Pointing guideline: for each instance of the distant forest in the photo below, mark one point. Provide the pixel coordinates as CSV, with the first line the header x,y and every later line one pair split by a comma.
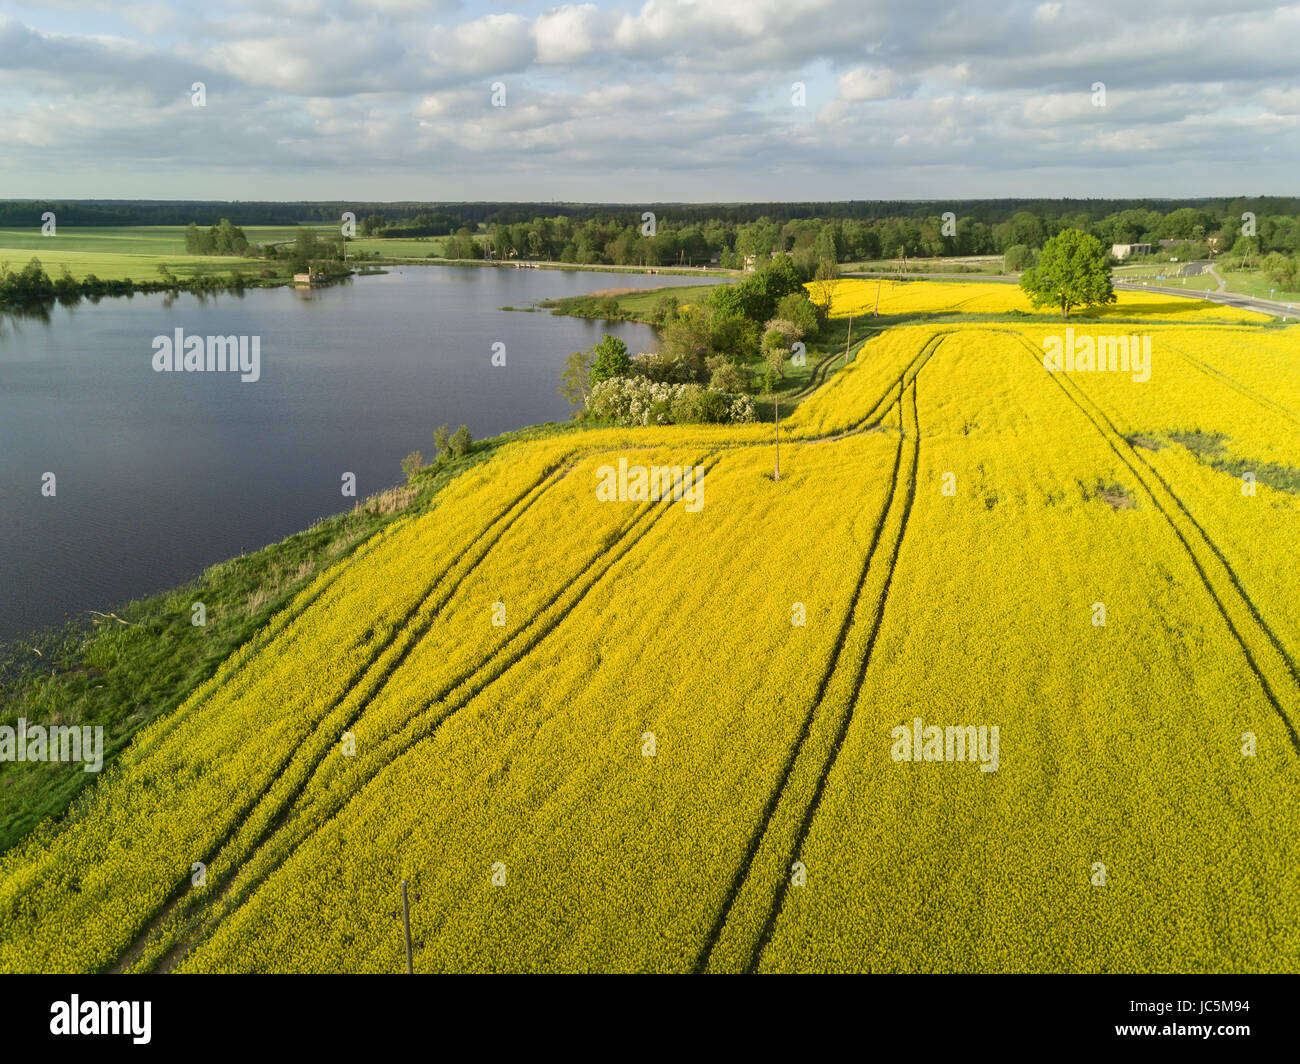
x,y
817,236
18,213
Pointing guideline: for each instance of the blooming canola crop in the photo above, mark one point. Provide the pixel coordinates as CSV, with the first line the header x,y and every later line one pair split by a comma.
x,y
598,727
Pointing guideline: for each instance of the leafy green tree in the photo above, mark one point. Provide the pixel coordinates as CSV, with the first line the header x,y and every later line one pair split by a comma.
x,y
609,359
1071,272
575,381
757,295
462,245
441,439
799,309
728,299
460,442
412,464
32,285
665,309
1018,257
713,407
230,239
736,337
1026,228
1280,269
686,341
723,374
306,247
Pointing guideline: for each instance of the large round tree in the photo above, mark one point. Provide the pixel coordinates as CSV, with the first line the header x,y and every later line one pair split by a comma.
x,y
1072,272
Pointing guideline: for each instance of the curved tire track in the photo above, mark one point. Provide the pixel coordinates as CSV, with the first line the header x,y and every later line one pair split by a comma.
x,y
743,873
1136,464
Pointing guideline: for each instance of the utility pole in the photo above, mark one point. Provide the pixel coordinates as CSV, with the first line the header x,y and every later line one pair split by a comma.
x,y
848,342
777,474
876,313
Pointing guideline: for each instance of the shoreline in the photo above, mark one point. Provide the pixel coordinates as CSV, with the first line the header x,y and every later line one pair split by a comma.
x,y
236,281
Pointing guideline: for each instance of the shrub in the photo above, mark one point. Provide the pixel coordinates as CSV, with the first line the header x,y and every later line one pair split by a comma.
x,y
637,401
412,464
665,309
723,374
686,408
802,311
713,407
1018,257
658,366
460,442
610,359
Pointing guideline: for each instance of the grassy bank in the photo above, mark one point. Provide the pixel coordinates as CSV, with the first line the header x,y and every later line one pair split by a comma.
x,y
625,304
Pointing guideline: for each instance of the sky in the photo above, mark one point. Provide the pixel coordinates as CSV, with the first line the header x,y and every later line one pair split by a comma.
x,y
658,101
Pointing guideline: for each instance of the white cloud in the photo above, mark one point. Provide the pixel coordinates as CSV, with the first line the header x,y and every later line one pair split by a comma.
x,y
567,34
866,83
670,98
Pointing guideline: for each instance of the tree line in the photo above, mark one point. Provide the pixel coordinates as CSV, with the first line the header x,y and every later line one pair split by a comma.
x,y
620,239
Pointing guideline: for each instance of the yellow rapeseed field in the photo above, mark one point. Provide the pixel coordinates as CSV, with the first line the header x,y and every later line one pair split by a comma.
x,y
640,734
858,296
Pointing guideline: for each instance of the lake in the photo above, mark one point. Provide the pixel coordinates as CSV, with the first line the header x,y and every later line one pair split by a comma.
x,y
160,474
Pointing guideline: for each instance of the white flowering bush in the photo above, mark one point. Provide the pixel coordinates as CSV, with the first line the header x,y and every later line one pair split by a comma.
x,y
638,401
740,408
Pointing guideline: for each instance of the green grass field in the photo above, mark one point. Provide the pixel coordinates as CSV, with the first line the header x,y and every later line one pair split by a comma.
x,y
113,254
979,264
643,300
417,247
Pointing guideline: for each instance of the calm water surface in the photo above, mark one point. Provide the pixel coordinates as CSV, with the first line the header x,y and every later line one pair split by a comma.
x,y
159,475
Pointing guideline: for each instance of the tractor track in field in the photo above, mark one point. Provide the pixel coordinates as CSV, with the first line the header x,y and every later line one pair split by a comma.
x,y
822,370
1133,461
142,940
741,875
404,741
892,397
1236,385
413,730
517,507
909,374
877,621
817,378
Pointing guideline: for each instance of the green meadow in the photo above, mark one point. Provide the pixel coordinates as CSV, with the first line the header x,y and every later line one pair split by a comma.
x,y
114,254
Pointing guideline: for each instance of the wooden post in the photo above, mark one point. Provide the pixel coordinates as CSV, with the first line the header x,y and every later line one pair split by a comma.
x,y
876,313
777,474
848,342
406,926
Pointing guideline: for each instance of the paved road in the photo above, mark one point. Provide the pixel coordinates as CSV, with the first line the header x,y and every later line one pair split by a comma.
x,y
1232,299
